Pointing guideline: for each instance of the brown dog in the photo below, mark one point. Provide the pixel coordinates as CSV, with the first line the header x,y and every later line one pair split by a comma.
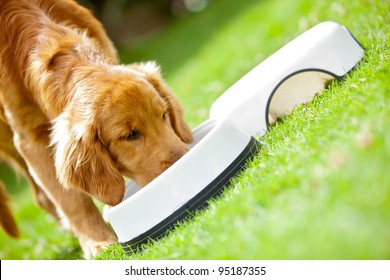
x,y
73,121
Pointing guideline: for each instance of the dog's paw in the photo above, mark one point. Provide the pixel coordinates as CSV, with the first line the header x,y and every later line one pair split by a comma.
x,y
92,248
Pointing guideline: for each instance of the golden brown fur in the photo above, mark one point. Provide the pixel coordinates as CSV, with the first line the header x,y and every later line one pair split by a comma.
x,y
73,121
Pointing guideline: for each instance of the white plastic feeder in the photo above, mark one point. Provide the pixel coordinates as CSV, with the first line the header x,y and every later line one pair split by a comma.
x,y
289,77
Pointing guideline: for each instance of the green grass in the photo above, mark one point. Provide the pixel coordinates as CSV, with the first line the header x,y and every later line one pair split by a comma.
x,y
319,187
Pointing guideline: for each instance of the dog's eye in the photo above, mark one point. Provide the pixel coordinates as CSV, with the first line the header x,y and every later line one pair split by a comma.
x,y
164,116
133,135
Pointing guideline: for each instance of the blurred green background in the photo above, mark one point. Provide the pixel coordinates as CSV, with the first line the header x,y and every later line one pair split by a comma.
x,y
319,187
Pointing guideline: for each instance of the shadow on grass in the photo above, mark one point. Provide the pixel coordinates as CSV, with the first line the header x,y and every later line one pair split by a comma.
x,y
70,253
14,183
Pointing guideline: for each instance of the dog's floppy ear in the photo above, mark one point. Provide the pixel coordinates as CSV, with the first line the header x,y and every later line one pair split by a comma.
x,y
176,114
175,110
83,162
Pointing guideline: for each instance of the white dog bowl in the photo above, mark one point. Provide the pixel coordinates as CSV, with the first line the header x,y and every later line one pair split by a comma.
x,y
185,186
290,77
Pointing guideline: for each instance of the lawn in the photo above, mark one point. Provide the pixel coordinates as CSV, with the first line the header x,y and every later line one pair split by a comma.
x,y
319,187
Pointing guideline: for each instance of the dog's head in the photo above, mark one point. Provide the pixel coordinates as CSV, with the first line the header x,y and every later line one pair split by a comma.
x,y
128,122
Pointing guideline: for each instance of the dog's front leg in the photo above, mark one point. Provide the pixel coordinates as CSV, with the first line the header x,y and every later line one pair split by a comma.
x,y
76,209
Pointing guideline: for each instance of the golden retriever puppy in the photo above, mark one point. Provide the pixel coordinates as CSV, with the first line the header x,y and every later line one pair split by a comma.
x,y
74,121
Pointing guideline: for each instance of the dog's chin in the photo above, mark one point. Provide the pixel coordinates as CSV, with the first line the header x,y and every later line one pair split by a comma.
x,y
141,179
145,181
141,182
